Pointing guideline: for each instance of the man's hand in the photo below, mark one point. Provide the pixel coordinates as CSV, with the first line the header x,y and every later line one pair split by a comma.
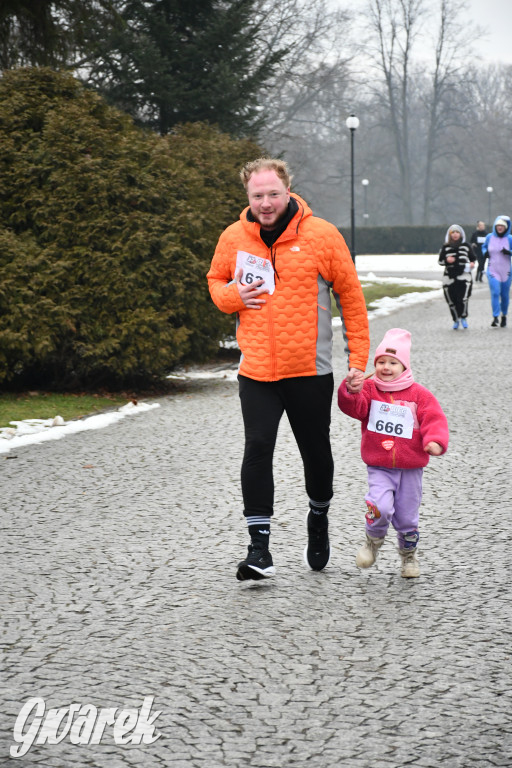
x,y
249,293
433,448
450,259
355,380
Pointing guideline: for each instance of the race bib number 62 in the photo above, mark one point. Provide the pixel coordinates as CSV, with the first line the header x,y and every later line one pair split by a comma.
x,y
392,420
255,268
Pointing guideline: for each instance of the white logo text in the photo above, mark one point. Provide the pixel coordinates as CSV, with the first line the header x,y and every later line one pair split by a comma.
x,y
82,724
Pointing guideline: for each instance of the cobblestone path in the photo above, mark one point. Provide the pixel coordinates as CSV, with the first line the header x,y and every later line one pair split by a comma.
x,y
119,549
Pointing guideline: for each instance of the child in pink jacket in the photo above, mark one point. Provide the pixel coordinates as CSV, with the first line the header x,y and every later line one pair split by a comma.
x,y
402,425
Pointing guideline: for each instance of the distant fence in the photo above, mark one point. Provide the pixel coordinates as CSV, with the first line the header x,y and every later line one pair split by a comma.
x,y
400,239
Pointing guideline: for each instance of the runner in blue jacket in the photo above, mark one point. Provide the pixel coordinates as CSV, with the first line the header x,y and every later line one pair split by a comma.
x,y
498,247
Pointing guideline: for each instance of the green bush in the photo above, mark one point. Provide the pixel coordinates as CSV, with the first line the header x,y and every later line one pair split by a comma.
x,y
106,235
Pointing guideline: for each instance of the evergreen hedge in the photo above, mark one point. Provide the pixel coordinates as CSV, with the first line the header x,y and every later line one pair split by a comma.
x,y
106,235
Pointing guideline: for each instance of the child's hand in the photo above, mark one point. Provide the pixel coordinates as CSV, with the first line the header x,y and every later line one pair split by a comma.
x,y
434,449
355,380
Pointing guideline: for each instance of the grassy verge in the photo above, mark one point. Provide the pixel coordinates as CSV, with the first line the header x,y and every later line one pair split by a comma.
x,y
374,291
47,405
38,405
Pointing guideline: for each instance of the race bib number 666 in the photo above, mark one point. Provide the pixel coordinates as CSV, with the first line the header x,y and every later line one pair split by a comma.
x,y
392,420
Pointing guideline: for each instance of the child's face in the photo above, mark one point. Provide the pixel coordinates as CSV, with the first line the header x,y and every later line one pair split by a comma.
x,y
388,368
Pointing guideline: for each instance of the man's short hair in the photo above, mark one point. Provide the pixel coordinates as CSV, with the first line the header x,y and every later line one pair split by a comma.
x,y
266,164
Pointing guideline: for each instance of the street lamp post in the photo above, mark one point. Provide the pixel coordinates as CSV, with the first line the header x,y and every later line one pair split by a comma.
x,y
490,190
352,123
365,183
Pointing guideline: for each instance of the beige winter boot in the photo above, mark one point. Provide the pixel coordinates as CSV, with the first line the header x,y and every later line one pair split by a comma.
x,y
410,565
367,555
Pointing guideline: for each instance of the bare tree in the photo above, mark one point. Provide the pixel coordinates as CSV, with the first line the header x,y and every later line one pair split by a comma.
x,y
447,80
420,94
486,153
396,24
309,97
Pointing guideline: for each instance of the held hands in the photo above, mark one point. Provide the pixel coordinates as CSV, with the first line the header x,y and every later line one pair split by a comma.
x,y
433,448
355,380
450,259
250,293
506,251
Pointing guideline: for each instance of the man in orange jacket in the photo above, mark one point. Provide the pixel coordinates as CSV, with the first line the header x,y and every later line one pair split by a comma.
x,y
275,268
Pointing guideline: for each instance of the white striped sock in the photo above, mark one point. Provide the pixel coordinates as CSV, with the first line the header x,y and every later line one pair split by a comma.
x,y
257,520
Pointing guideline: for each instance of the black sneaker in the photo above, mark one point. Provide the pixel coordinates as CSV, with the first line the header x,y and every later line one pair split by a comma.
x,y
318,550
503,323
257,565
495,322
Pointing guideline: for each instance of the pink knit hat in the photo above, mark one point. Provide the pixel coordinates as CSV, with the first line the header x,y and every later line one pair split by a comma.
x,y
396,343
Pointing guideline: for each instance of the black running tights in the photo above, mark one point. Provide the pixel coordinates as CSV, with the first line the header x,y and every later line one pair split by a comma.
x,y
307,401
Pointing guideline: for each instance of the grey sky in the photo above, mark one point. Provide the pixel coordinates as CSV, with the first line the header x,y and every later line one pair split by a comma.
x,y
494,16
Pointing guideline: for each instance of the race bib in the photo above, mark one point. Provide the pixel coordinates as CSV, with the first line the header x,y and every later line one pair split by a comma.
x,y
255,268
391,420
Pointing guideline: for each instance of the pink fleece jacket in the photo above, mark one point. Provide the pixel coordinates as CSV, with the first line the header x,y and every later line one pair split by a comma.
x,y
383,446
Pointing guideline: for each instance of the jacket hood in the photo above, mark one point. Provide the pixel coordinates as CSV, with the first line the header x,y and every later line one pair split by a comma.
x,y
458,228
504,220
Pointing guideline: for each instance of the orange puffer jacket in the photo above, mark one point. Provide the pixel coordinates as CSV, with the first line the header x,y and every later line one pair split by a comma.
x,y
292,334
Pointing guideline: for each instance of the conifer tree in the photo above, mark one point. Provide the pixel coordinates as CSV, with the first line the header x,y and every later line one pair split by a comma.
x,y
38,33
173,61
106,235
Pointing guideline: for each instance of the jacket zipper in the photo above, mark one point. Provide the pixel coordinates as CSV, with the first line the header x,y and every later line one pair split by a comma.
x,y
273,355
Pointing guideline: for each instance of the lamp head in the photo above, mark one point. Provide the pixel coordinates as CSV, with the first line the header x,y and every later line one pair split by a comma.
x,y
352,122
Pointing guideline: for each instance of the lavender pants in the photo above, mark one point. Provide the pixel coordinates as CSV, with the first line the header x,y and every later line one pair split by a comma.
x,y
394,496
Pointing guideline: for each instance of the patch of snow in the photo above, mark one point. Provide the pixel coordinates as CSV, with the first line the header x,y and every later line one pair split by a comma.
x,y
399,262
30,431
